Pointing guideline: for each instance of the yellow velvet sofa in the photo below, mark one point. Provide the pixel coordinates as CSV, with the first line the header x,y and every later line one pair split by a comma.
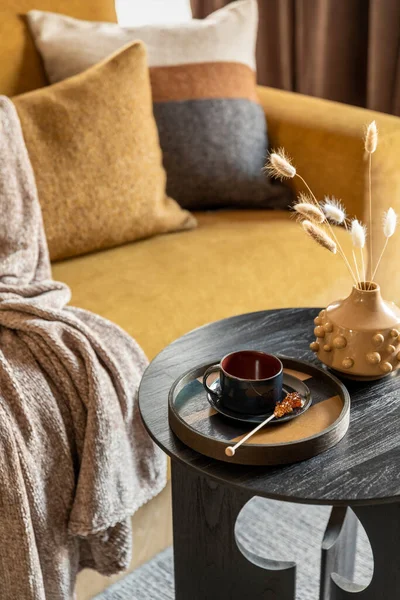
x,y
160,288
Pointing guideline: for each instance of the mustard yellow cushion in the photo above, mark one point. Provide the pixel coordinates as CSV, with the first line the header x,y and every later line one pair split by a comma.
x,y
94,148
234,262
21,68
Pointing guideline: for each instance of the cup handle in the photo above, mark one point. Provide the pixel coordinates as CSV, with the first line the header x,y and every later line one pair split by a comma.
x,y
212,369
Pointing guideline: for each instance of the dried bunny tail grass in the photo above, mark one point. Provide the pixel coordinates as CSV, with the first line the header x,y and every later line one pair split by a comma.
x,y
371,138
309,211
330,228
319,235
334,210
279,165
358,234
304,197
389,223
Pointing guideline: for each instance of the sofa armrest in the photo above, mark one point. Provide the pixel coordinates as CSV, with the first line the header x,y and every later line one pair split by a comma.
x,y
325,140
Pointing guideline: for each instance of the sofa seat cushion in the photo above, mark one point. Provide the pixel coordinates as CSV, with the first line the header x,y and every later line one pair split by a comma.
x,y
235,262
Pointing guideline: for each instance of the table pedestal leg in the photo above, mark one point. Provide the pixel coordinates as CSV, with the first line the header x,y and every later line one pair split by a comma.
x,y
338,548
208,562
382,525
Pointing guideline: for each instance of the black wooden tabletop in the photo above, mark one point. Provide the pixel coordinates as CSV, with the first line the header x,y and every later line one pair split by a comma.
x,y
364,468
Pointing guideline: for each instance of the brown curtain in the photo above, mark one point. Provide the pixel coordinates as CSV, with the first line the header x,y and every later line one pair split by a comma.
x,y
344,50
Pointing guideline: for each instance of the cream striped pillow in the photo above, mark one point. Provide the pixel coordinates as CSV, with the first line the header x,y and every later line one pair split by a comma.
x,y
203,75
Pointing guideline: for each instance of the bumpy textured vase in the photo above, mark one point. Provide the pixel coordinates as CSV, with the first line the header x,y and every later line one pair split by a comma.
x,y
359,336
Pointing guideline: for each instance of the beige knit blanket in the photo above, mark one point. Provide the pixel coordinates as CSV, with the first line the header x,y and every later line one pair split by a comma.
x,y
75,460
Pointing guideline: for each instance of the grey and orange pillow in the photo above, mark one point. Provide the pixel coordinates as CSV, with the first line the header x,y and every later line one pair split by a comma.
x,y
211,125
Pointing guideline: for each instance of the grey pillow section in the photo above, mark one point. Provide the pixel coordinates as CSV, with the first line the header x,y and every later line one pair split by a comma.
x,y
214,153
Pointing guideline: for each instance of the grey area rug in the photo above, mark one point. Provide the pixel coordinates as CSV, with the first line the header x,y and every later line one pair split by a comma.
x,y
275,530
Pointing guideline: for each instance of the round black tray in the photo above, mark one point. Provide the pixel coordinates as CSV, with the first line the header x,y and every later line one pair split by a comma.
x,y
201,428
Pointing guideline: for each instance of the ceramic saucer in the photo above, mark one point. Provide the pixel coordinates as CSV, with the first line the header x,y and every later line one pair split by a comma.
x,y
290,384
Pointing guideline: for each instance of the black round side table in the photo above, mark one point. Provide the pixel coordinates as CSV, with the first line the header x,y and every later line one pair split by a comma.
x,y
361,472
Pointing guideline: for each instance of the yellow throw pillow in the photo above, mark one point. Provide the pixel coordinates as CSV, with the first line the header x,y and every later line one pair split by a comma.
x,y
94,148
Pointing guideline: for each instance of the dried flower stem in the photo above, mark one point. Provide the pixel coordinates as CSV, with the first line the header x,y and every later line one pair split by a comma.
x,y
358,235
370,217
356,265
348,266
358,283
370,145
380,258
341,252
363,264
389,228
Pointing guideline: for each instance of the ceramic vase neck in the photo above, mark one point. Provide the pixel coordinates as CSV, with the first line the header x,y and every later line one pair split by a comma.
x,y
364,310
370,299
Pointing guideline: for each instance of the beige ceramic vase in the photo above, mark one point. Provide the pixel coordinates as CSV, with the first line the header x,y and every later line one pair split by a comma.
x,y
359,336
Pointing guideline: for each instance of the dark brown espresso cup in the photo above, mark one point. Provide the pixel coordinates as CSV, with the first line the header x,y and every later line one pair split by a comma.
x,y
250,382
